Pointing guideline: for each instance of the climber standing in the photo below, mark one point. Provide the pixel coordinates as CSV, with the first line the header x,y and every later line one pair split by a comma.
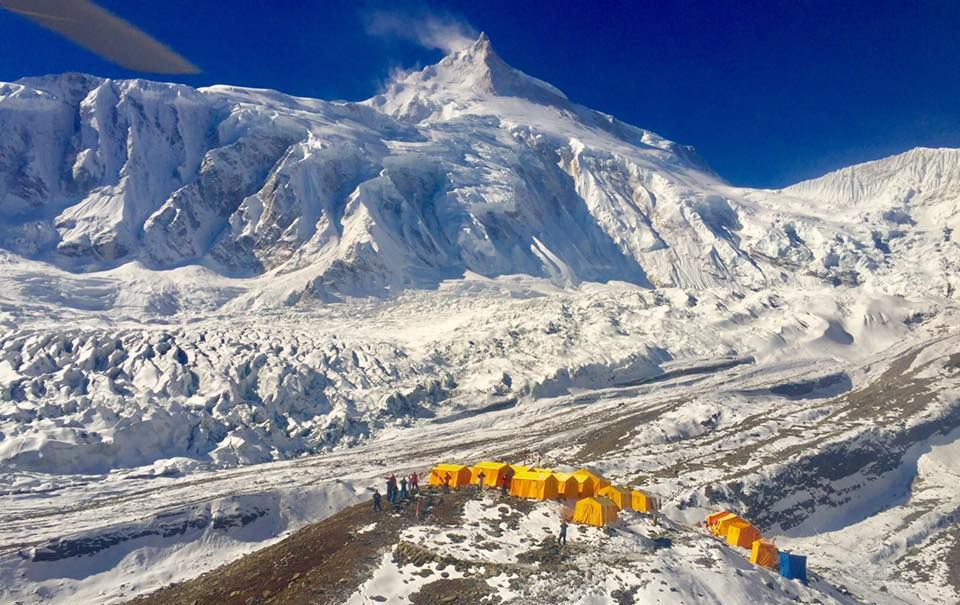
x,y
392,488
446,482
480,479
403,488
562,538
376,500
414,484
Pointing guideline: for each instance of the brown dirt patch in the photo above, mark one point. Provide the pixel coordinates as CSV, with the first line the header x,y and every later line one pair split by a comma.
x,y
461,591
321,564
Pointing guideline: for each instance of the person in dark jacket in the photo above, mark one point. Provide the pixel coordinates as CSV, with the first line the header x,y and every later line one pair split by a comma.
x,y
403,488
392,488
505,484
562,538
480,479
446,482
376,500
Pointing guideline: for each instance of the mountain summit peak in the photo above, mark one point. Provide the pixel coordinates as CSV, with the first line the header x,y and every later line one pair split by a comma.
x,y
469,74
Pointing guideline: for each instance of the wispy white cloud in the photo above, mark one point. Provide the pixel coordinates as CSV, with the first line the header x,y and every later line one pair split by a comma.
x,y
443,32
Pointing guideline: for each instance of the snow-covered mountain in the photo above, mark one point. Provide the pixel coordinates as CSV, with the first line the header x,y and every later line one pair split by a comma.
x,y
467,165
193,280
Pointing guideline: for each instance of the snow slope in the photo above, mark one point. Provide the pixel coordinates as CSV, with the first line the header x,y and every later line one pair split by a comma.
x,y
194,280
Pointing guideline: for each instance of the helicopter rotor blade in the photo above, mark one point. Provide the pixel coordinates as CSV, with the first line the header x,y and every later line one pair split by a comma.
x,y
99,31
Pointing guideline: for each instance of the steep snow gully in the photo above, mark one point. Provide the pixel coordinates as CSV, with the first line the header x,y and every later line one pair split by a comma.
x,y
225,312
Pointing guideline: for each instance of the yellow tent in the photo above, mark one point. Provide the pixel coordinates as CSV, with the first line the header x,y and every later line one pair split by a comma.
x,y
516,468
765,554
590,482
719,527
643,502
742,534
459,475
618,495
493,473
531,484
595,511
567,485
712,518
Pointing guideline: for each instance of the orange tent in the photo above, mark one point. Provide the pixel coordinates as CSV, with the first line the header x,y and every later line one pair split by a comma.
x,y
589,481
712,518
765,554
532,484
567,486
719,527
617,495
516,468
459,475
642,502
742,534
595,511
493,473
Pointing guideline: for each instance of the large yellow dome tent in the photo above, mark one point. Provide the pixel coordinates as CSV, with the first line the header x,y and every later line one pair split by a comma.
x,y
567,486
617,495
493,473
589,482
642,502
533,484
596,511
459,475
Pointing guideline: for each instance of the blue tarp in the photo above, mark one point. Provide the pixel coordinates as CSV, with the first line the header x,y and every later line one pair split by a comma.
x,y
793,567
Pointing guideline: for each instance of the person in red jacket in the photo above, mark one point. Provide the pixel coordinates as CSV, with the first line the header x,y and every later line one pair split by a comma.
x,y
414,484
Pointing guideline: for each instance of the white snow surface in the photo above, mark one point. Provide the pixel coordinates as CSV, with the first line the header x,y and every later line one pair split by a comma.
x,y
193,281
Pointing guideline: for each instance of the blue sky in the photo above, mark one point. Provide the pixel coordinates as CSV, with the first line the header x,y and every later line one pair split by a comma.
x,y
768,92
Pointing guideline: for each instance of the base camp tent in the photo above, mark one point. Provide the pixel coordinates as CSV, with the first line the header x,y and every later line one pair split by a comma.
x,y
618,495
532,484
493,473
642,502
567,486
516,468
595,511
765,554
459,475
720,526
589,482
742,534
793,567
712,518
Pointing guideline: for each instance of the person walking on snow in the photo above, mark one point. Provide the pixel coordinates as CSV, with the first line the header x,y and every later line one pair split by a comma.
x,y
403,488
376,500
562,538
480,479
